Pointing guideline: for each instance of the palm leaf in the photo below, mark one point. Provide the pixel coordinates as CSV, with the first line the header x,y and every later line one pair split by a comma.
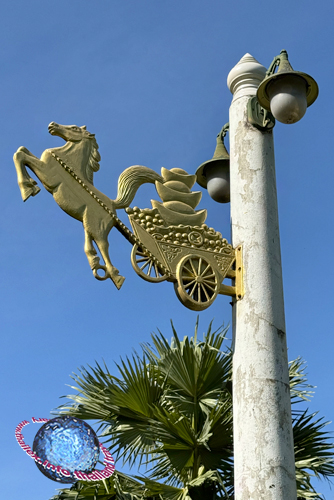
x,y
118,487
300,390
313,452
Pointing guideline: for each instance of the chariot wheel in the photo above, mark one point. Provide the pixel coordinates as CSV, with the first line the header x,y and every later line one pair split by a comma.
x,y
146,267
197,282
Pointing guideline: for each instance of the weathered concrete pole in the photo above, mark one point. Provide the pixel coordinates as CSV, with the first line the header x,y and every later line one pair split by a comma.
x,y
263,440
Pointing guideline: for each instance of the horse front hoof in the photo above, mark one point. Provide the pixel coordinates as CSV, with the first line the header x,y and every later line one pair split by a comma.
x,y
26,192
23,150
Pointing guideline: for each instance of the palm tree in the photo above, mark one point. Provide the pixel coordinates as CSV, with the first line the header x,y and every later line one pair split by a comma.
x,y
170,415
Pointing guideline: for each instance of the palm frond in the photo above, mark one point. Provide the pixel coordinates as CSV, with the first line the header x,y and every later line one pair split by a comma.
x,y
118,487
161,490
314,454
300,390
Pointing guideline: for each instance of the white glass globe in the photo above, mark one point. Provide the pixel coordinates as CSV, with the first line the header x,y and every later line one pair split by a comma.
x,y
218,181
287,97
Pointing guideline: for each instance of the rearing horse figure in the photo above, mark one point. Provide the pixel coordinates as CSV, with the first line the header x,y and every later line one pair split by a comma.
x,y
67,173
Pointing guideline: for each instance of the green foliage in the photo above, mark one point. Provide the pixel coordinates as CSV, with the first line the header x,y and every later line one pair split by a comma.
x,y
170,413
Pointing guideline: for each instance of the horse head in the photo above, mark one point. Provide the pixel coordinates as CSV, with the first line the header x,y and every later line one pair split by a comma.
x,y
70,133
75,134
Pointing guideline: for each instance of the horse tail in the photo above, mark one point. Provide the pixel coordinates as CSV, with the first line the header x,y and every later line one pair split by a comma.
x,y
130,180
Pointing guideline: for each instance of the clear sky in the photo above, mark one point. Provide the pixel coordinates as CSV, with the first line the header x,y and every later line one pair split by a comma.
x,y
149,79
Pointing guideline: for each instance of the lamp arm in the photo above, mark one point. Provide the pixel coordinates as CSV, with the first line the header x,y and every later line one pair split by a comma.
x,y
257,115
283,56
223,132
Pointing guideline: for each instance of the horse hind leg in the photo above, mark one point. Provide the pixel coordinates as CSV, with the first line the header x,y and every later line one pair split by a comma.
x,y
91,254
111,271
94,261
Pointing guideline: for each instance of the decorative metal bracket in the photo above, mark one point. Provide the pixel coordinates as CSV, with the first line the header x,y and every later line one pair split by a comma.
x,y
237,275
258,116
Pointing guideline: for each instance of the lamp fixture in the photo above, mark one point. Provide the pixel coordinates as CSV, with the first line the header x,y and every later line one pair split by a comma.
x,y
284,95
214,174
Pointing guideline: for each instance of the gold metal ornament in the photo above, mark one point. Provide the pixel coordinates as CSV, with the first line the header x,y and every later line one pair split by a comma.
x,y
170,240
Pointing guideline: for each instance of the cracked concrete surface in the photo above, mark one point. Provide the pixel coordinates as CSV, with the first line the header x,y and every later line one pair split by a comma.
x,y
263,441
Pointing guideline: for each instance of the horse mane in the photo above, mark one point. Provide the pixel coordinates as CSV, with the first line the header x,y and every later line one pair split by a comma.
x,y
93,164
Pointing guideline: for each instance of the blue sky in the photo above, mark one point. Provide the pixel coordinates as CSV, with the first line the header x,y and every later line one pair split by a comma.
x,y
149,79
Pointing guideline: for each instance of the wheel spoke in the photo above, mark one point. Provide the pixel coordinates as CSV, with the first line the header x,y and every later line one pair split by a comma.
x,y
193,268
199,298
208,267
210,287
205,292
211,281
156,269
150,268
143,259
210,276
144,265
187,277
193,289
199,267
188,269
190,283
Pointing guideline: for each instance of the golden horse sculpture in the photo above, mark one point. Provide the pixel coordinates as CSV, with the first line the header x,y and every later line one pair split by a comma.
x,y
67,173
170,240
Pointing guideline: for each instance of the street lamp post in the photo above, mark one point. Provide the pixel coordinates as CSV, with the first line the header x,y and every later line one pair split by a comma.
x,y
263,440
264,464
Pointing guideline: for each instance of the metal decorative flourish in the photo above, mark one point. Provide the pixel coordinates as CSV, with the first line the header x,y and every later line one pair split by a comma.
x,y
170,241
